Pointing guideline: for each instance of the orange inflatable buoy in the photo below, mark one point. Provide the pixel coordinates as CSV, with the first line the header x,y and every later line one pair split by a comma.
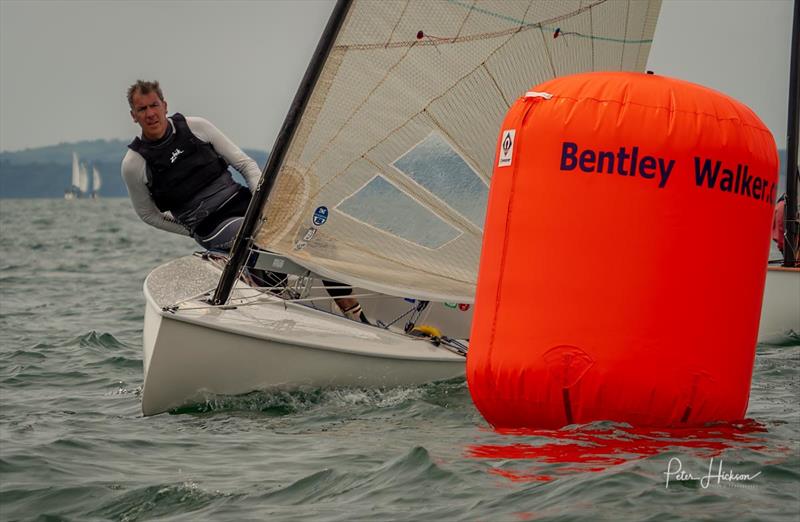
x,y
624,255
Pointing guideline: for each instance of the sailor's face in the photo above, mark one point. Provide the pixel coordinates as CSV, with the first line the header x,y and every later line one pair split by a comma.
x,y
150,112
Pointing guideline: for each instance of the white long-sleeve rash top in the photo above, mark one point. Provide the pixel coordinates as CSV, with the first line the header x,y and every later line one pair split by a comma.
x,y
134,173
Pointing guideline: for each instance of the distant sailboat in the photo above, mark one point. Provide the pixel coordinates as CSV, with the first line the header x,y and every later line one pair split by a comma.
x,y
96,182
74,189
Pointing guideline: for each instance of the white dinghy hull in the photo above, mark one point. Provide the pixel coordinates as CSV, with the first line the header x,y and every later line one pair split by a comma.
x,y
780,311
199,351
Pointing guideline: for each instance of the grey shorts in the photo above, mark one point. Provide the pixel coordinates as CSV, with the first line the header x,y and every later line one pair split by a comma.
x,y
222,237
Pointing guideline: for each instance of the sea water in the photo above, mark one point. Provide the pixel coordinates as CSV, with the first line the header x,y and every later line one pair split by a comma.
x,y
74,445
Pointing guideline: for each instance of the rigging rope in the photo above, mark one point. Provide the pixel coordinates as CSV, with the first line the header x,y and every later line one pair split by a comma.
x,y
259,299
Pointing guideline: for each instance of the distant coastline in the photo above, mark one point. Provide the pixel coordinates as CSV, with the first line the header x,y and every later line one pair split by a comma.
x,y
45,172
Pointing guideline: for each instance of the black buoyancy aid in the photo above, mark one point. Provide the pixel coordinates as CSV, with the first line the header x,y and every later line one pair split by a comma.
x,y
179,168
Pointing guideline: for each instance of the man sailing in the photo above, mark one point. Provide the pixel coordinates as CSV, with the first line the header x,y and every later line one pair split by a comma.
x,y
178,179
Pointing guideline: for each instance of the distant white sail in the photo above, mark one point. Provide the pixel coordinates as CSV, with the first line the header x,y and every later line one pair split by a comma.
x,y
76,170
386,179
72,191
83,181
96,180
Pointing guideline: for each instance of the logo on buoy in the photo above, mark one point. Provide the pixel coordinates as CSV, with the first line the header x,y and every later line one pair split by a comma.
x,y
320,216
506,148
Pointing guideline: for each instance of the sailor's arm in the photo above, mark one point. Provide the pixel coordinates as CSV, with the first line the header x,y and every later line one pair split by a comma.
x,y
206,131
134,175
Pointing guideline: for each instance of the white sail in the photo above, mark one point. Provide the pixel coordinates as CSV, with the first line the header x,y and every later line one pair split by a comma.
x,y
96,180
386,179
76,170
83,179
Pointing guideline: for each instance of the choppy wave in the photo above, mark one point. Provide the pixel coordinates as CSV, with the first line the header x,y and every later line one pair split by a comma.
x,y
145,503
288,402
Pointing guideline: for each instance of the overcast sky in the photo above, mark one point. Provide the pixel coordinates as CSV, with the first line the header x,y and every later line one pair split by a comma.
x,y
65,65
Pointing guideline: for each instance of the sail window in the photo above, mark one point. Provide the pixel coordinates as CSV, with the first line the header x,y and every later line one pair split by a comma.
x,y
436,166
379,204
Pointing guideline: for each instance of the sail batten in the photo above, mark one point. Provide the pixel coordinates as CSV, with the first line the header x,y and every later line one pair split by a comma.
x,y
385,181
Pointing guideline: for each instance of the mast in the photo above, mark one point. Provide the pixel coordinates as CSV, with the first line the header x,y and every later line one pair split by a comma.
x,y
792,128
244,238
